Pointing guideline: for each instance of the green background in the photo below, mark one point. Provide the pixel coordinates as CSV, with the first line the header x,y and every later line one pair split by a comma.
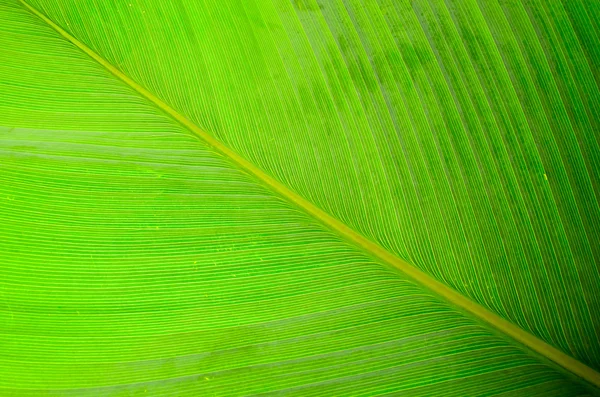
x,y
462,136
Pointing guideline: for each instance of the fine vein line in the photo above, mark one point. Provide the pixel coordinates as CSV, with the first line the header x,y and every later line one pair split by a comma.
x,y
532,342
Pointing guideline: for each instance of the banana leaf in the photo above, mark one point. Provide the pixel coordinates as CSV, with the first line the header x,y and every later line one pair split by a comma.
x,y
299,197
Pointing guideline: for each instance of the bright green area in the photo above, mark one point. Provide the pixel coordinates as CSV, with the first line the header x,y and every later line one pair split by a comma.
x,y
460,136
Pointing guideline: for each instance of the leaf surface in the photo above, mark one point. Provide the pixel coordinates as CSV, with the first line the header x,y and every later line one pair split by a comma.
x,y
462,136
136,259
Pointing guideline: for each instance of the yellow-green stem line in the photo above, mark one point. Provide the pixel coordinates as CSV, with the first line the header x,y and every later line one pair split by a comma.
x,y
506,327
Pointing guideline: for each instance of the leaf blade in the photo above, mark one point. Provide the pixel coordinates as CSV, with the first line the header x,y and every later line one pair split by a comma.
x,y
486,195
104,186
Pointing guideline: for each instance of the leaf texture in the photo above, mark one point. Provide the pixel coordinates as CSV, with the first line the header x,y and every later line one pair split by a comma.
x,y
136,260
459,135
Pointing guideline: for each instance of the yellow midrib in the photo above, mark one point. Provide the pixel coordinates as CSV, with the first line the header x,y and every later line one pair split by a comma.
x,y
506,327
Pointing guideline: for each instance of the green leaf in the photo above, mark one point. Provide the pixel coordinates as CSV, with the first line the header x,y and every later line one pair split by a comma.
x,y
460,136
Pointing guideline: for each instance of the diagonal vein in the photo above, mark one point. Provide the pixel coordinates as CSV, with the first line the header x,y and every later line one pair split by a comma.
x,y
368,246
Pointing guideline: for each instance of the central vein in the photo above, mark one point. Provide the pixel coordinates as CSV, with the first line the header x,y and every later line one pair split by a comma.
x,y
340,228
